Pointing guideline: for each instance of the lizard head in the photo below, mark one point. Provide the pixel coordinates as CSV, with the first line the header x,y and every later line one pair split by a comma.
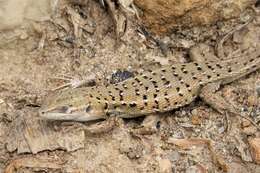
x,y
70,105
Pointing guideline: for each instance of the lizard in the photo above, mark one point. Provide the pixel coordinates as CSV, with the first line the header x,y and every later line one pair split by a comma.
x,y
161,90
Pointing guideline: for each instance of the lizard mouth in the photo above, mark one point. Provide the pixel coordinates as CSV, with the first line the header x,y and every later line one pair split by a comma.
x,y
75,116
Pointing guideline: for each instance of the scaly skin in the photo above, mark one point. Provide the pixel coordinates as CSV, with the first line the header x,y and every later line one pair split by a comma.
x,y
161,90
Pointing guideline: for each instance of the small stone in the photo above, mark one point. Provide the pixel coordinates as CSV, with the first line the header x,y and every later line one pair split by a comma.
x,y
250,130
255,149
174,156
132,151
221,130
198,115
196,119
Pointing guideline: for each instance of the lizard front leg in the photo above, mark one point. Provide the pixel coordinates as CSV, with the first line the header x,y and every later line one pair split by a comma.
x,y
149,125
73,82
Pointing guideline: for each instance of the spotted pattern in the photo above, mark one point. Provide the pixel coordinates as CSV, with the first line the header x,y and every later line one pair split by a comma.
x,y
164,89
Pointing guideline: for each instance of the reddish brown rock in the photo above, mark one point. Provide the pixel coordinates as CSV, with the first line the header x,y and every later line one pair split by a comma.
x,y
163,15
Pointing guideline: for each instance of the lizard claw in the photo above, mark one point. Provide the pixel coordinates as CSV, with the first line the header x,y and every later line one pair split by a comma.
x,y
73,82
105,126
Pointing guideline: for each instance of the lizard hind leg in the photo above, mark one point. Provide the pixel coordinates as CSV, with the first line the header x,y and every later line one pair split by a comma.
x,y
219,103
209,95
202,52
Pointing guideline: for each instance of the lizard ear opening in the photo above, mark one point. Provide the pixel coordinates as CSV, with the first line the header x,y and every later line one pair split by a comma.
x,y
88,108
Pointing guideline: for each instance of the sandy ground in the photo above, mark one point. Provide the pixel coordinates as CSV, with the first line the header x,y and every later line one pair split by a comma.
x,y
79,41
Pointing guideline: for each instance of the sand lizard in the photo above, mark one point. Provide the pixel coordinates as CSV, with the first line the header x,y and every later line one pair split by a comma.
x,y
162,90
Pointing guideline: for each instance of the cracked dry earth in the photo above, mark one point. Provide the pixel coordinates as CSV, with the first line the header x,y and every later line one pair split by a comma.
x,y
36,54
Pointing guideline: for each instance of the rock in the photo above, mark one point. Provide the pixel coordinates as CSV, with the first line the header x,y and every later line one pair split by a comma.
x,y
12,14
161,16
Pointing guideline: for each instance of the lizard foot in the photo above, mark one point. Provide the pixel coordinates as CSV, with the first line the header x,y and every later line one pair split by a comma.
x,y
215,100
73,82
149,126
219,103
104,126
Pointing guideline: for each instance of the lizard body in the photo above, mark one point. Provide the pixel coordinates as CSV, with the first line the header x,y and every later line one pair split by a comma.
x,y
161,90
